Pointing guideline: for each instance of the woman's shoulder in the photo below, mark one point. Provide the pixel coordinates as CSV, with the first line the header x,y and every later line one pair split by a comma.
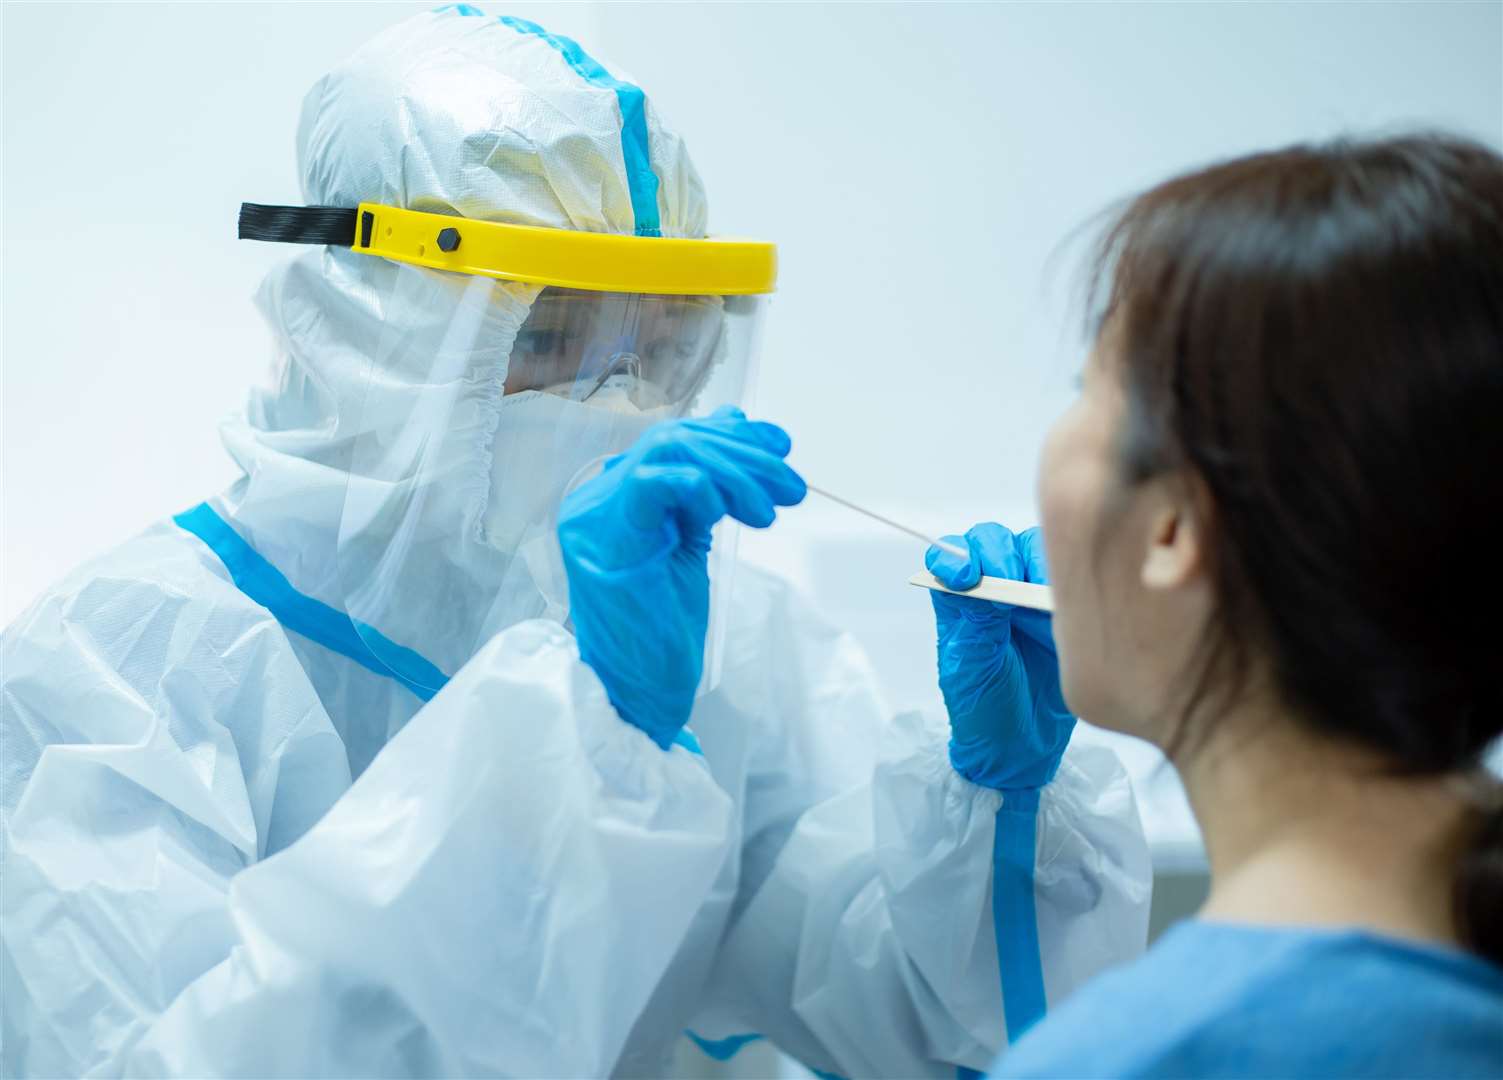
x,y
1216,1000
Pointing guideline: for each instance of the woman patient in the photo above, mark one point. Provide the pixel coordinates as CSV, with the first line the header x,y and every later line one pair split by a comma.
x,y
1272,522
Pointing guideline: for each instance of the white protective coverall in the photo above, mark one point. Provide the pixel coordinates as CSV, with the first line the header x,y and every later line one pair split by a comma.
x,y
233,846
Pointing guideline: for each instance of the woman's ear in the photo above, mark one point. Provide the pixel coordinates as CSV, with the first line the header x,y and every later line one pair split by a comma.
x,y
1175,541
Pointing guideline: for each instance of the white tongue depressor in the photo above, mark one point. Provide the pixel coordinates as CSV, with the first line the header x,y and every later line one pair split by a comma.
x,y
997,590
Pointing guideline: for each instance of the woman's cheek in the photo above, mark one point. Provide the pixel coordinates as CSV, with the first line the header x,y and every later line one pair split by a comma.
x,y
1059,492
1072,474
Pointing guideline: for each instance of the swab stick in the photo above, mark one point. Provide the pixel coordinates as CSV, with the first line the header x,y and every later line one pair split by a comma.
x,y
998,590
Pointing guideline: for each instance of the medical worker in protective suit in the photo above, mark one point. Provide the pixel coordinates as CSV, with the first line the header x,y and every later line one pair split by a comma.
x,y
381,763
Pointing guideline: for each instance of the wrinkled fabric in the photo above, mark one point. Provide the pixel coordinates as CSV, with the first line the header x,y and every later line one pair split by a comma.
x,y
195,887
166,739
475,115
849,921
232,850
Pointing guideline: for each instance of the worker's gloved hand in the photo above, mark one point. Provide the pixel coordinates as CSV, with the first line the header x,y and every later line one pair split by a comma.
x,y
997,666
636,545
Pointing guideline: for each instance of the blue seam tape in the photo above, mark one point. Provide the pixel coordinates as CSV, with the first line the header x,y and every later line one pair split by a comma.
x,y
458,9
641,181
315,620
1014,914
722,1049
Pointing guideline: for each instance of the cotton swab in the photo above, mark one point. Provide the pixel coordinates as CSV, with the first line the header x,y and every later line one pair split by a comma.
x,y
998,590
945,546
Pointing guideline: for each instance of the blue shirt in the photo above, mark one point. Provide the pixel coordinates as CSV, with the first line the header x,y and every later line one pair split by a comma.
x,y
1214,1000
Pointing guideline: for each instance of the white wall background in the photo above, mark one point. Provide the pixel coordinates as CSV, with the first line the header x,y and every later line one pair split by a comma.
x,y
919,165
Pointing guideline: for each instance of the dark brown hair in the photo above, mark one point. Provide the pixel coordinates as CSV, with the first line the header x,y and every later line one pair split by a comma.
x,y
1317,333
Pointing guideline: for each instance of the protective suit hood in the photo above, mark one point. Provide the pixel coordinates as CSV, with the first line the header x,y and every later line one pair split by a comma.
x,y
458,113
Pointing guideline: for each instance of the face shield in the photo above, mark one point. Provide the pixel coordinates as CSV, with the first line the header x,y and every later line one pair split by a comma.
x,y
510,363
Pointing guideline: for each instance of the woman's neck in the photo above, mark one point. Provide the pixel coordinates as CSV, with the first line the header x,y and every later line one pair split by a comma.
x,y
1305,831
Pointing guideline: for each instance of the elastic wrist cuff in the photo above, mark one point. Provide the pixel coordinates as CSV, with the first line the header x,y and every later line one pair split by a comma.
x,y
982,772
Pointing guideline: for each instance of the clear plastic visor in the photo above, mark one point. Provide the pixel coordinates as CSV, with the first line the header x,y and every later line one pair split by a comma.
x,y
657,349
485,402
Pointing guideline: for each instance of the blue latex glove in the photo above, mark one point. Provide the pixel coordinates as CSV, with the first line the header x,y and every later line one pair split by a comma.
x,y
636,545
997,666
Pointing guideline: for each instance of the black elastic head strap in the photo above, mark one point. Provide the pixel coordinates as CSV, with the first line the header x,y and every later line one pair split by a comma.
x,y
298,224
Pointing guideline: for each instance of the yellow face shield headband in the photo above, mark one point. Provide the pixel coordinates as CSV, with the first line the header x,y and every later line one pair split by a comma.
x,y
596,262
